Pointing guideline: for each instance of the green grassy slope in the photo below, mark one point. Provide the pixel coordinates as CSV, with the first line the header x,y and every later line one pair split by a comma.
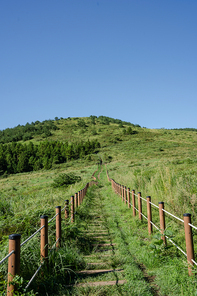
x,y
161,163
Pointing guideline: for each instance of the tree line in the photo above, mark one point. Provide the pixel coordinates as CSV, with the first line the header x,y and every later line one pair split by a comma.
x,y
45,128
27,131
18,158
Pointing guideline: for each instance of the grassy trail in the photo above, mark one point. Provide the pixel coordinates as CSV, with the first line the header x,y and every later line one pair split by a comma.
x,y
110,268
107,252
129,257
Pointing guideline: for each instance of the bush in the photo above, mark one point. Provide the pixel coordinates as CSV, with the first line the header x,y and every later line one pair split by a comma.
x,y
65,180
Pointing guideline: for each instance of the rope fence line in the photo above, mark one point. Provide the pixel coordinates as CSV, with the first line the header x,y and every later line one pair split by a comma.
x,y
70,209
32,278
144,216
192,226
173,216
53,218
155,225
194,262
176,245
153,205
37,231
6,257
125,196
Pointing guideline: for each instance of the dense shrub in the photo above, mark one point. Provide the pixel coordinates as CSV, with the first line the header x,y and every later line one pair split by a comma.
x,y
65,180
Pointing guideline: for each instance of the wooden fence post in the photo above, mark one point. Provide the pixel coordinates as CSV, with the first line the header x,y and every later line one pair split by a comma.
x,y
78,196
129,198
122,191
149,214
125,194
189,241
162,221
13,261
44,238
133,203
66,210
72,209
58,226
139,205
76,201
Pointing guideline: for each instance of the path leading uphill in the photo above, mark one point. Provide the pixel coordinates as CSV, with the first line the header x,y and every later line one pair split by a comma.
x,y
110,268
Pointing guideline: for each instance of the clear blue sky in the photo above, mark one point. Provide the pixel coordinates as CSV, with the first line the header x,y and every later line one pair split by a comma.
x,y
128,59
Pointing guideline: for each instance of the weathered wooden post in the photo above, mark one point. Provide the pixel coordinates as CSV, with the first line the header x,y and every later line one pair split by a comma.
x,y
125,194
58,226
13,262
66,210
189,241
140,205
76,201
133,202
72,209
44,238
79,198
149,214
122,189
129,198
162,220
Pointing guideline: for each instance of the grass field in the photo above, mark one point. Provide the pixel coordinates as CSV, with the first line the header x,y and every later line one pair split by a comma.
x,y
160,163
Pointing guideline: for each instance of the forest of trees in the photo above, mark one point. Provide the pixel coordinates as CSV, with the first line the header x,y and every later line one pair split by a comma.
x,y
45,128
26,132
18,158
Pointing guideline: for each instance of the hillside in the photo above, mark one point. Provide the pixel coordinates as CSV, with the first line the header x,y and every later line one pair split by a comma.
x,y
160,163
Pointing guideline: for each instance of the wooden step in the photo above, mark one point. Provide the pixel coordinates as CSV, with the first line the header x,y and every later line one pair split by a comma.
x,y
97,255
87,271
103,245
107,283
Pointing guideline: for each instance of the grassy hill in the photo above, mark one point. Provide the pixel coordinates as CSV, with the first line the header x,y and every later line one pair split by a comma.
x,y
160,163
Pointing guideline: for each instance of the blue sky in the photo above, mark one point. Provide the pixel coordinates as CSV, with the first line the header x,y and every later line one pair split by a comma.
x,y
126,59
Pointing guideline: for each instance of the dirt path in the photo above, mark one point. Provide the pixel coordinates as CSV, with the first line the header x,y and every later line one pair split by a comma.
x,y
107,268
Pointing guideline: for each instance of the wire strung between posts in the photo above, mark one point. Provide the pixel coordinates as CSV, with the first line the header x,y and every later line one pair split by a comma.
x,y
53,218
170,240
153,204
69,219
154,225
192,226
32,235
194,262
134,207
33,276
173,215
54,245
6,257
144,216
143,198
176,245
64,208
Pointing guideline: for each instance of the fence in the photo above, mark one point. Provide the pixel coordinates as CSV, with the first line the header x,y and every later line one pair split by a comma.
x,y
15,239
129,198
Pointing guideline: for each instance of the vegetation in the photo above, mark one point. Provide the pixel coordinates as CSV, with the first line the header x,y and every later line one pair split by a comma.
x,y
65,180
18,158
160,163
